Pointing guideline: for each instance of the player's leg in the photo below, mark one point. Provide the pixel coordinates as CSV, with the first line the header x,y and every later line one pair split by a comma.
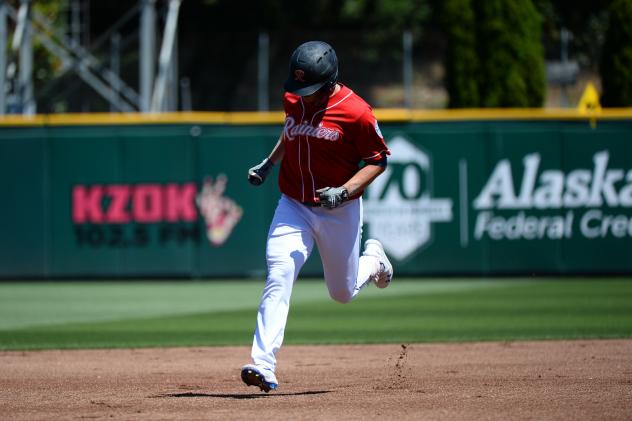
x,y
338,235
289,245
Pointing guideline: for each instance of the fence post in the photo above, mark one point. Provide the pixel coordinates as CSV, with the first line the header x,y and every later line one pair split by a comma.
x,y
263,57
407,62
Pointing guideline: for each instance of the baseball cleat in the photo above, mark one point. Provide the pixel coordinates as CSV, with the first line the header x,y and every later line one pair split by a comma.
x,y
254,376
383,277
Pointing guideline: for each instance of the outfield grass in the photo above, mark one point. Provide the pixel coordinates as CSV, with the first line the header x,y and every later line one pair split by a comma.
x,y
142,314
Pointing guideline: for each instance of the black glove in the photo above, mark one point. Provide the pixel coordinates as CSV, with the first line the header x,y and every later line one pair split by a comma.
x,y
257,174
332,197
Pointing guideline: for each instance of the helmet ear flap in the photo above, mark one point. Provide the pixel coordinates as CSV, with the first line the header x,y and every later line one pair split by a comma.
x,y
333,80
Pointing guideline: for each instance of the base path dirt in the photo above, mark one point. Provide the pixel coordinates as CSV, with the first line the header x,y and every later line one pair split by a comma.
x,y
462,381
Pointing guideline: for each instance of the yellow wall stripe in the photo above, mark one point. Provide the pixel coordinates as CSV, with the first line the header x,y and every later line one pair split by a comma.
x,y
276,117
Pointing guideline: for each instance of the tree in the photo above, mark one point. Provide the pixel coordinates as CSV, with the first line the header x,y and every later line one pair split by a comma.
x,y
616,61
506,36
461,57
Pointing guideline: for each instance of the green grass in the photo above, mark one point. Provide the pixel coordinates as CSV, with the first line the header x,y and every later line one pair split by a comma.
x,y
142,314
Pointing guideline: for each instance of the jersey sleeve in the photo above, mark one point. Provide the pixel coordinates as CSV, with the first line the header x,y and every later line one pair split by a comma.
x,y
369,140
287,103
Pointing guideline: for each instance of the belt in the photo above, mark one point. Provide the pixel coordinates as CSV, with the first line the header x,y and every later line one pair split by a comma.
x,y
311,204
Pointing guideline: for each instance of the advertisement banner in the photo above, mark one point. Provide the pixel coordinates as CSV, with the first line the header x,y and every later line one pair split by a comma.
x,y
545,198
457,198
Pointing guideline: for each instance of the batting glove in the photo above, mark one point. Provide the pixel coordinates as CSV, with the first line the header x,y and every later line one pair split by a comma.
x,y
332,197
257,174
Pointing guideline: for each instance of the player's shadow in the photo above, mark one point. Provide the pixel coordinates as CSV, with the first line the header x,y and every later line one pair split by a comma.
x,y
241,395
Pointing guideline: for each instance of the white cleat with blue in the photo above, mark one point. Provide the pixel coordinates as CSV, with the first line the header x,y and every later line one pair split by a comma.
x,y
264,379
382,278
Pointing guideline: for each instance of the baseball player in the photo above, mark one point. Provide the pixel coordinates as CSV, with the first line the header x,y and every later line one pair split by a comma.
x,y
329,131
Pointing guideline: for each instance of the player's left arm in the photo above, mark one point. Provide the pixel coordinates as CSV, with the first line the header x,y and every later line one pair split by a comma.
x,y
331,197
364,177
372,147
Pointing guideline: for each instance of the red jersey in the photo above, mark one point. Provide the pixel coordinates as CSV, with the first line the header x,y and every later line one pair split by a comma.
x,y
324,146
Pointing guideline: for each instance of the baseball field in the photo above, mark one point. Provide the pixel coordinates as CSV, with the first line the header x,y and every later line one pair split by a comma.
x,y
531,348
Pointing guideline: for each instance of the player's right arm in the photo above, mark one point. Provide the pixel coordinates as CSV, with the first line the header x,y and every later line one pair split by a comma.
x,y
278,151
257,174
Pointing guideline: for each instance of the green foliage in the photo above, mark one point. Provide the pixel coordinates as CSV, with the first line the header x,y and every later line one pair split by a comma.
x,y
616,62
388,18
495,57
585,19
379,23
46,65
461,57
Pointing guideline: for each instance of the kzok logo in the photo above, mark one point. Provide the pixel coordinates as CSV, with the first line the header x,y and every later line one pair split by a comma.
x,y
102,212
142,203
399,207
220,213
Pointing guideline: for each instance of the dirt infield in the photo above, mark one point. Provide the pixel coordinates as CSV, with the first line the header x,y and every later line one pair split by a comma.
x,y
511,380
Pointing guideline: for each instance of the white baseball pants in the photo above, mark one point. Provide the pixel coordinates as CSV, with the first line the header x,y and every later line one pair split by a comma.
x,y
294,229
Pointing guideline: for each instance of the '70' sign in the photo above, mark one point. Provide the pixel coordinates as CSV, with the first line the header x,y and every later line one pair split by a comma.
x,y
398,206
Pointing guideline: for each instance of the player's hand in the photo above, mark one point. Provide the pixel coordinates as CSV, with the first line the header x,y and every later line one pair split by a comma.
x,y
332,197
257,174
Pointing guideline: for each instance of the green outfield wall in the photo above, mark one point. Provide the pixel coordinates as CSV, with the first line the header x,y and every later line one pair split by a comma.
x,y
496,192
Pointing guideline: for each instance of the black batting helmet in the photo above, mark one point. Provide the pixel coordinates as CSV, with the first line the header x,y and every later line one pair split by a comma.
x,y
313,65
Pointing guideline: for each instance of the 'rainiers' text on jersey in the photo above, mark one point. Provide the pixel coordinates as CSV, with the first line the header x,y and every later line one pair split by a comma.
x,y
324,146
